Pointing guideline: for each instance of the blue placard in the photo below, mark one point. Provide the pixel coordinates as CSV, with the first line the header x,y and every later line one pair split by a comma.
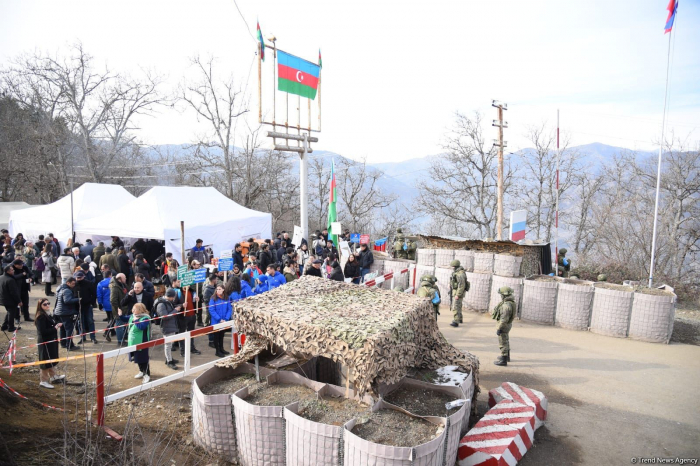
x,y
200,275
225,264
355,238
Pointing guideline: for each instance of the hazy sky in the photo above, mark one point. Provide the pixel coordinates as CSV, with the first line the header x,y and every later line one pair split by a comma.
x,y
395,72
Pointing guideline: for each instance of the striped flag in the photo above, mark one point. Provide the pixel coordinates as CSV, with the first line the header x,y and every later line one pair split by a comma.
x,y
672,8
332,212
262,44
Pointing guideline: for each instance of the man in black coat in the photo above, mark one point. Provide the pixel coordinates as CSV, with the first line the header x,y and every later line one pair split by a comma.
x,y
148,287
10,298
366,260
315,269
137,295
238,255
22,277
87,293
264,258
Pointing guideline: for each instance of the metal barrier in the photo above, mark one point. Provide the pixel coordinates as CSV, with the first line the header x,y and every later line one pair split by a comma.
x,y
102,399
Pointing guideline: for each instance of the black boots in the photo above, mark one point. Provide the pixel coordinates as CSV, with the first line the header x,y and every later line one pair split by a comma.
x,y
508,357
454,324
501,361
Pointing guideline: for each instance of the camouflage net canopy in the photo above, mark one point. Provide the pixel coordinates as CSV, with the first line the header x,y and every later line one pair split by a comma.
x,y
378,334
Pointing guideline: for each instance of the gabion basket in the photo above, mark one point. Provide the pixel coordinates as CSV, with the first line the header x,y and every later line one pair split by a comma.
x,y
425,257
506,265
466,259
611,311
652,317
539,301
574,299
483,262
479,294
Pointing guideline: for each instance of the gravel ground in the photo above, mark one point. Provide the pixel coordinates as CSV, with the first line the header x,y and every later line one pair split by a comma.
x,y
421,402
389,427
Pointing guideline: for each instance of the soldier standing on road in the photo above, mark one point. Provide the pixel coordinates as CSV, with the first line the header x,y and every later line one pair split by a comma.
x,y
504,313
459,286
564,263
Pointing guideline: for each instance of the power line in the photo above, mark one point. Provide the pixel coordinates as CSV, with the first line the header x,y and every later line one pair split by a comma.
x,y
247,28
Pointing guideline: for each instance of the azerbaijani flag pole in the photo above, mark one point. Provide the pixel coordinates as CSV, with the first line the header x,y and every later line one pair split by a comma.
x,y
332,212
672,9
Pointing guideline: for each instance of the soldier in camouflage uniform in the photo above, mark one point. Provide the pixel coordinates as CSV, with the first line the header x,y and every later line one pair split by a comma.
x,y
504,313
429,290
564,263
411,251
459,286
399,243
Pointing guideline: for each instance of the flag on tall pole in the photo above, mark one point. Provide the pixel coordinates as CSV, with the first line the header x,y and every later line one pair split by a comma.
x,y
296,75
262,44
672,8
320,62
332,212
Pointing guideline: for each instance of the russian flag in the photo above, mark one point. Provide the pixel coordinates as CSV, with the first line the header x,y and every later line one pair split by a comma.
x,y
672,8
380,244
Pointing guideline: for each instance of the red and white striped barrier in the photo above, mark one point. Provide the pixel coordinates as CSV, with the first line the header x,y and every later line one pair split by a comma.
x,y
500,438
513,392
390,276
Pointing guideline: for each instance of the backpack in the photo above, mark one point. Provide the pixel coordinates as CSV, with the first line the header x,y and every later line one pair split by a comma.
x,y
155,318
39,265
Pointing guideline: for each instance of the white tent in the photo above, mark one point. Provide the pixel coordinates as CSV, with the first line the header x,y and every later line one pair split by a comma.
x,y
6,208
89,200
207,214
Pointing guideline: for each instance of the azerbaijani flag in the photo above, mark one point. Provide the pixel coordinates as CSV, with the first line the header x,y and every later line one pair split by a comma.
x,y
296,75
332,212
320,62
262,44
672,8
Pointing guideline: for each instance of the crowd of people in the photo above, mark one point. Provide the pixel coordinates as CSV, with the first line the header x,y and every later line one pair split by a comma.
x,y
121,281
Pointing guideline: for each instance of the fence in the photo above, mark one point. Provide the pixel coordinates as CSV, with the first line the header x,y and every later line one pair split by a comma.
x,y
411,271
102,399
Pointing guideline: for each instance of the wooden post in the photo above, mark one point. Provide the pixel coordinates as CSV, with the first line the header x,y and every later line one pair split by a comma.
x,y
182,241
260,52
499,218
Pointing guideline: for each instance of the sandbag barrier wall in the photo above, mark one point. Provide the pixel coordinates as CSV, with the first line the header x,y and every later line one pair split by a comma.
x,y
572,304
276,435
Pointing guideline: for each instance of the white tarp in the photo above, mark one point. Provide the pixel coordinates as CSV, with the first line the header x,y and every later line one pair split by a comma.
x,y
89,200
6,208
207,214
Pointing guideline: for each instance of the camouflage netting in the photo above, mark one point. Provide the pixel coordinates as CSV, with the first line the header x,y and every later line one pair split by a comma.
x,y
378,334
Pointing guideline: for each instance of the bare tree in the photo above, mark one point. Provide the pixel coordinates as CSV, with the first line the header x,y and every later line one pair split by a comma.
x,y
99,106
462,182
218,104
537,169
319,185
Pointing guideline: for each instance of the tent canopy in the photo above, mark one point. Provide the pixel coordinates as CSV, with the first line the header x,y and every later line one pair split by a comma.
x,y
6,208
157,214
89,200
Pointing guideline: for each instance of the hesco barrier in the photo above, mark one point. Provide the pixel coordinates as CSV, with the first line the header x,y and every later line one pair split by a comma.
x,y
397,266
423,270
212,417
506,265
652,317
539,301
611,311
443,257
443,275
466,259
270,435
425,257
574,298
261,430
477,298
497,282
483,262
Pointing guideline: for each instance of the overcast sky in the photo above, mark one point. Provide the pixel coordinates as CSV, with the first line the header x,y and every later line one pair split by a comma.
x,y
395,72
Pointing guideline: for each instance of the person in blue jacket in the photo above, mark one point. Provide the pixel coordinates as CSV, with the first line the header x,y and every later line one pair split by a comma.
x,y
220,311
262,285
103,294
274,278
246,286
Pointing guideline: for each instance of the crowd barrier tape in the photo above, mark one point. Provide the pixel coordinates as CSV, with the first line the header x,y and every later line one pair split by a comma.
x,y
16,393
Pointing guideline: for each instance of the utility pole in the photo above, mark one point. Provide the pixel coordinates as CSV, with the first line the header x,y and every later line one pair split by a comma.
x,y
501,145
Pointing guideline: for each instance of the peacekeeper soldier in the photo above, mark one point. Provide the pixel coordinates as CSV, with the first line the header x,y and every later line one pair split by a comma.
x,y
411,249
428,290
399,250
504,313
602,277
564,263
459,285
438,298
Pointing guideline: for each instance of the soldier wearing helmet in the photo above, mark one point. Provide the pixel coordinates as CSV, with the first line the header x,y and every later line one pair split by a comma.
x,y
429,290
459,285
504,313
563,263
400,249
602,277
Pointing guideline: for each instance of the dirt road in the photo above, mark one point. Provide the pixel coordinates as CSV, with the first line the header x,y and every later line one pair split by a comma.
x,y
610,399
